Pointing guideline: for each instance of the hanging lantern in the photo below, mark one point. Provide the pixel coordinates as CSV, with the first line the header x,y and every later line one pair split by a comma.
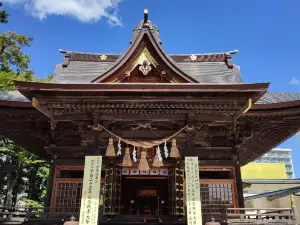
x,y
157,161
110,151
126,159
143,165
174,150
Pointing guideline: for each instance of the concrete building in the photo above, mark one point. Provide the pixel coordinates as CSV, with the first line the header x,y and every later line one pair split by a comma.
x,y
264,171
279,155
273,193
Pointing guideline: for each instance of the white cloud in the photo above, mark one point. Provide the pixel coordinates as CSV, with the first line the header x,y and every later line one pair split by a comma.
x,y
294,80
83,10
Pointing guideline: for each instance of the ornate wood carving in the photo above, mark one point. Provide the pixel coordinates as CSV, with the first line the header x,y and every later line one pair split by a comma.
x,y
112,191
176,191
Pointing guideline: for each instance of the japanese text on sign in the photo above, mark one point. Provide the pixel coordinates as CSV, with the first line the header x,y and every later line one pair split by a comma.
x,y
90,191
194,214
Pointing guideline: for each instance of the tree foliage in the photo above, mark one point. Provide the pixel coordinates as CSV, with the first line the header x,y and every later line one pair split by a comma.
x,y
13,61
23,175
3,14
11,55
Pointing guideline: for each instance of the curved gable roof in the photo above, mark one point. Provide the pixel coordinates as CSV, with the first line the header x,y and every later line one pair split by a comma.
x,y
145,39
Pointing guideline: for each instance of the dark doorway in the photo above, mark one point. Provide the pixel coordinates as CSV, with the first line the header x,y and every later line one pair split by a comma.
x,y
144,195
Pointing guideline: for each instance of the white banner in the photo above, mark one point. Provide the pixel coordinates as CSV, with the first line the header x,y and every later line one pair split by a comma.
x,y
90,191
193,199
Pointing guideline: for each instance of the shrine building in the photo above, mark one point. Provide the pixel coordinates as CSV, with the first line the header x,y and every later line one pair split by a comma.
x,y
165,135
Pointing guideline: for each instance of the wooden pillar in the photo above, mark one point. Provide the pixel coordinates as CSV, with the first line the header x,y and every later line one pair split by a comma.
x,y
190,135
239,186
50,181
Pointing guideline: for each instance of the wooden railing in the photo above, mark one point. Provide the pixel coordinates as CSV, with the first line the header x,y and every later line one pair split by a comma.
x,y
18,215
12,215
246,216
229,216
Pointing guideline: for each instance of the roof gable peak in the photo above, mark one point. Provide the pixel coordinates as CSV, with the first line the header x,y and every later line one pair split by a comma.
x,y
146,52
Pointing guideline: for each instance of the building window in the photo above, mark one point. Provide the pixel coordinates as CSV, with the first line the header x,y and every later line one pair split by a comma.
x,y
216,196
68,196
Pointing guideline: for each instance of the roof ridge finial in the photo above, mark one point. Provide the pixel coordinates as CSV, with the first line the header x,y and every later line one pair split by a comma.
x,y
145,16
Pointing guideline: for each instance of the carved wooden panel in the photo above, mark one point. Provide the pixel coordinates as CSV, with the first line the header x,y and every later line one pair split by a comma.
x,y
117,190
108,192
112,191
176,191
171,201
67,195
179,191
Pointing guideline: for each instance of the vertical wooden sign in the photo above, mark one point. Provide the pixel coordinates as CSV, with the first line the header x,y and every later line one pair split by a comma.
x,y
193,199
90,191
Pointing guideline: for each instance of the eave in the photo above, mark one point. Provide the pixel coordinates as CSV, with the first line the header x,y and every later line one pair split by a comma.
x,y
22,123
15,104
275,106
141,87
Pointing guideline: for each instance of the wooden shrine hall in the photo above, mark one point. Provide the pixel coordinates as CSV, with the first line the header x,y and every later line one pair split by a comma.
x,y
145,116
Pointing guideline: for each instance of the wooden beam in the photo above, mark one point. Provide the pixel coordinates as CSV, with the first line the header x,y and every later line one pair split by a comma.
x,y
191,134
122,117
214,148
47,202
217,162
239,186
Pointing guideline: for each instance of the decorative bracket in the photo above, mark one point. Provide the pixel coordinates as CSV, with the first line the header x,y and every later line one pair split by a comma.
x,y
53,124
145,68
35,103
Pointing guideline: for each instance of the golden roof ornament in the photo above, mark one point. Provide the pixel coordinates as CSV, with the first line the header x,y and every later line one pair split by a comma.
x,y
103,57
146,23
145,16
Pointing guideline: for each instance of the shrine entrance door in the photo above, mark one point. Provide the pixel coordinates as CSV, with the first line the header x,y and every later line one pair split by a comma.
x,y
144,195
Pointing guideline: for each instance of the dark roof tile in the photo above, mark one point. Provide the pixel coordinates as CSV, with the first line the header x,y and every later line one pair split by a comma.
x,y
12,96
277,97
204,72
212,72
80,71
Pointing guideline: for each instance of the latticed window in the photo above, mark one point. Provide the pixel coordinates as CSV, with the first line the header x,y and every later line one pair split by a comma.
x,y
216,196
68,196
68,189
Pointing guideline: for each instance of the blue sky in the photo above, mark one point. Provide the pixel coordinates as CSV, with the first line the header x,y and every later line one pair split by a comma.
x,y
266,33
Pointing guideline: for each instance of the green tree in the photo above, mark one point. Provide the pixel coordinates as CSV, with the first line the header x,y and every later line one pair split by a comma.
x,y
13,61
22,172
3,14
11,56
